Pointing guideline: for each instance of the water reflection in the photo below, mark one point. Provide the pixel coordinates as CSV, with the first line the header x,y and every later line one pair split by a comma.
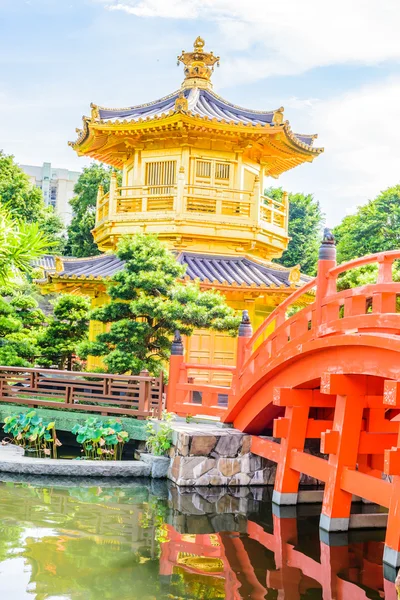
x,y
151,541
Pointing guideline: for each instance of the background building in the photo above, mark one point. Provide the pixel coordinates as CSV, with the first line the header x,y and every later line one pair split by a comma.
x,y
57,186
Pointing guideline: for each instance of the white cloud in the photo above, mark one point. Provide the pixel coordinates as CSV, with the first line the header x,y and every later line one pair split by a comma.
x,y
292,36
360,131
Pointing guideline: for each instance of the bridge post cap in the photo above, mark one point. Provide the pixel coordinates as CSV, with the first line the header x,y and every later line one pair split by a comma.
x,y
327,249
177,344
245,328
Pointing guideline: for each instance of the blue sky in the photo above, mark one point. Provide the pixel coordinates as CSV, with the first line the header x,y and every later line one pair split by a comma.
x,y
333,66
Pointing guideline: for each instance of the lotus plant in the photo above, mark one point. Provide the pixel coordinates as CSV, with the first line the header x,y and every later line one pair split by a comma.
x,y
29,431
101,440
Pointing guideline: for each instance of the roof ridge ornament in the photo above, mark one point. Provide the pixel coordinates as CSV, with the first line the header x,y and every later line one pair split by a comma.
x,y
199,65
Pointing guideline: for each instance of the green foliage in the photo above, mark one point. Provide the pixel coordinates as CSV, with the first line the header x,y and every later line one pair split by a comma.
x,y
305,226
80,239
16,193
20,244
67,328
20,324
159,440
52,226
25,203
375,227
148,304
101,440
29,431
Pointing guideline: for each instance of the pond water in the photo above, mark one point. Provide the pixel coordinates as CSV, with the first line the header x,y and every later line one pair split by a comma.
x,y
150,541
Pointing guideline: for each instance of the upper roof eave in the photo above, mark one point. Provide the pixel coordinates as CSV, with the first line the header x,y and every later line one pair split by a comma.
x,y
90,126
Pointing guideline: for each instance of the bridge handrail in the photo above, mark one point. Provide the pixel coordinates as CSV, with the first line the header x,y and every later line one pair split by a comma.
x,y
281,308
379,257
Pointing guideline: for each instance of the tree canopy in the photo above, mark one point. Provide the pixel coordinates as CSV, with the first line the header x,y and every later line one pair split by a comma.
x,y
148,303
20,244
80,241
25,204
374,227
68,327
21,321
305,227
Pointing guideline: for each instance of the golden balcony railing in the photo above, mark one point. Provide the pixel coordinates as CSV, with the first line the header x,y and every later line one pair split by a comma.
x,y
103,208
218,201
145,198
204,203
274,212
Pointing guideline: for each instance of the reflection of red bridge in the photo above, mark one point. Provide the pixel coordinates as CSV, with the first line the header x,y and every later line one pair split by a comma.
x,y
331,371
343,572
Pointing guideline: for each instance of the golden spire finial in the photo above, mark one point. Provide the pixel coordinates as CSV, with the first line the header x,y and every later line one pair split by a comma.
x,y
199,65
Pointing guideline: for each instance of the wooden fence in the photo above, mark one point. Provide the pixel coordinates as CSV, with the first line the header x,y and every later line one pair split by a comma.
x,y
134,395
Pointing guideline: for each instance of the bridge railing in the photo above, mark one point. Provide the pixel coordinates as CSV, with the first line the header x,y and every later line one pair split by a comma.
x,y
355,309
332,312
187,397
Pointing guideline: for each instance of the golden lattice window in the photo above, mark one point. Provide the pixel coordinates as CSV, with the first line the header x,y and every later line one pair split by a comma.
x,y
203,168
212,173
160,173
222,171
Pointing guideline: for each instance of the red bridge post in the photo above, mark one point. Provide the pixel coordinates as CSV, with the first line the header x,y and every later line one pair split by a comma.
x,y
176,361
326,261
341,443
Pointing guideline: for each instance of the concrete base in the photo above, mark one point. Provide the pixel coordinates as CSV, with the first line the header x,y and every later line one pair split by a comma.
x,y
159,465
310,496
316,497
14,463
368,521
333,524
391,557
282,499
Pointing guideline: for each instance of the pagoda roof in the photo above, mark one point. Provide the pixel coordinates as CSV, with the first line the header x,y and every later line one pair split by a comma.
x,y
194,113
200,102
214,269
196,103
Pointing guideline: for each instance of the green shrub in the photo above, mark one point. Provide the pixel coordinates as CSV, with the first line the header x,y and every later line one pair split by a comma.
x,y
32,433
101,440
160,441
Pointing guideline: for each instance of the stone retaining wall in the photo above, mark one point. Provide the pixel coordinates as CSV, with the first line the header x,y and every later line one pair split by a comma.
x,y
217,457
206,455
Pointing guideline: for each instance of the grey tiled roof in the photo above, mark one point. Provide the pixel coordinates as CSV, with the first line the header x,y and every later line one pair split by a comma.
x,y
97,266
231,269
213,268
203,103
47,262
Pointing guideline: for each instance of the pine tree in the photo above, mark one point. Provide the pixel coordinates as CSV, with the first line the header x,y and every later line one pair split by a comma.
x,y
148,303
67,328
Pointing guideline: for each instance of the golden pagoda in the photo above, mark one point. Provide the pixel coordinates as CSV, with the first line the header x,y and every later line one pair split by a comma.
x,y
194,169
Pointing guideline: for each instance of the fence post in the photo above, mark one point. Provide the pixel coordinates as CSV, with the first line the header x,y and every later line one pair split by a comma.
x,y
255,203
112,206
180,192
326,261
175,363
144,396
100,194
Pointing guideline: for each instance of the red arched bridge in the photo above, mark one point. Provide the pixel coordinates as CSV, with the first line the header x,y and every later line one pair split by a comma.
x,y
330,371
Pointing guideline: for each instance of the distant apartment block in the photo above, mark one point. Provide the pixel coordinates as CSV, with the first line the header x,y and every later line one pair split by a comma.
x,y
57,186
